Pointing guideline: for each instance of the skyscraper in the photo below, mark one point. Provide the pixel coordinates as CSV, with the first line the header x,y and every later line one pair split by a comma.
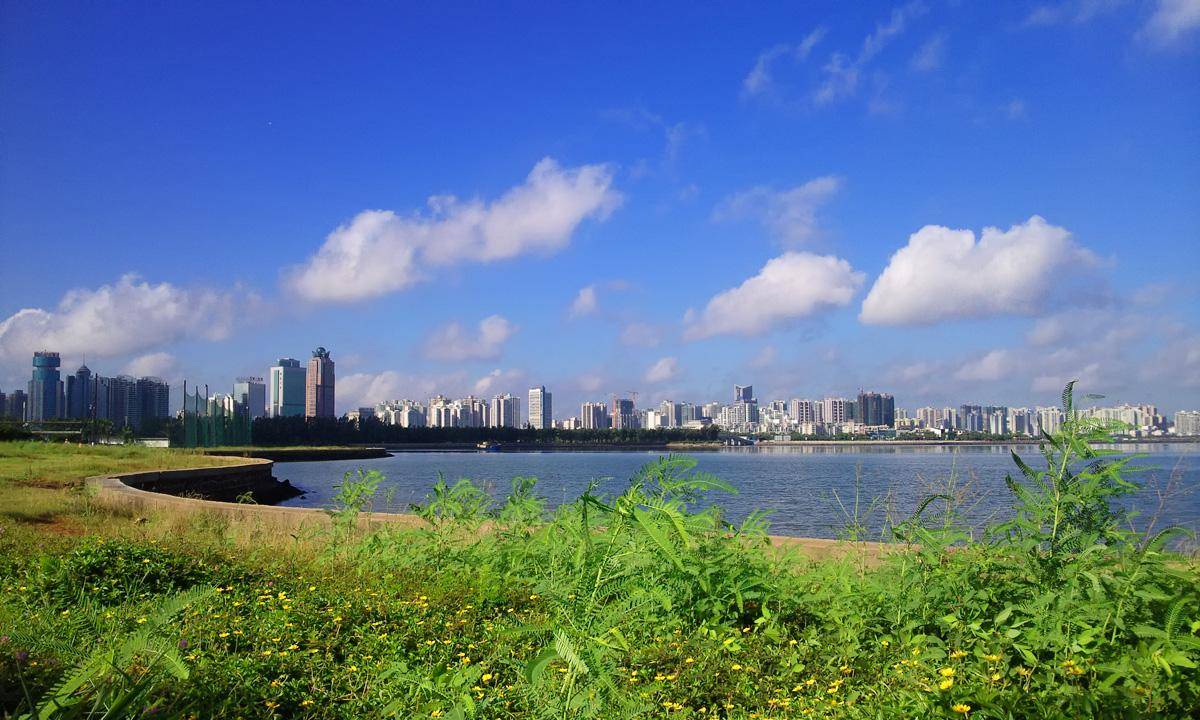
x,y
593,416
79,393
45,388
152,397
541,411
875,409
251,394
318,388
505,411
623,415
743,393
14,406
287,388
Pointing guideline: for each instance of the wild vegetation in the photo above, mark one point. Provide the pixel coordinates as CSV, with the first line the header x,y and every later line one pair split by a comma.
x,y
646,604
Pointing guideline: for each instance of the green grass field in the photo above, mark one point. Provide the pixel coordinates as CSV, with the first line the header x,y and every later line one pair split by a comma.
x,y
639,605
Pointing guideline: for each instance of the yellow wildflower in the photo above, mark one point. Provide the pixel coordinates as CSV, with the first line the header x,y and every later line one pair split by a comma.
x,y
946,672
961,708
946,684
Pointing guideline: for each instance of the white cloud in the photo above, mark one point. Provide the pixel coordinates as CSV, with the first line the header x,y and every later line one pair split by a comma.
x,y
930,55
368,389
792,286
454,342
640,334
1171,21
790,215
498,381
995,365
585,302
1071,11
128,316
664,369
158,364
759,80
944,274
842,74
380,251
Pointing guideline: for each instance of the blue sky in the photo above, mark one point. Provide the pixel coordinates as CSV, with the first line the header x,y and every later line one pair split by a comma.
x,y
668,199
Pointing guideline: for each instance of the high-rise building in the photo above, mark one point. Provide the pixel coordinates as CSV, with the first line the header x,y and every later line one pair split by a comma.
x,y
251,394
670,414
875,409
153,399
541,409
45,388
287,388
593,416
318,387
743,393
439,414
14,405
833,410
123,407
79,393
505,411
623,414
3,405
1187,422
469,412
801,411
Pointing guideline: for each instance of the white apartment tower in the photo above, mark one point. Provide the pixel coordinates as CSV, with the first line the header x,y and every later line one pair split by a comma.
x,y
541,411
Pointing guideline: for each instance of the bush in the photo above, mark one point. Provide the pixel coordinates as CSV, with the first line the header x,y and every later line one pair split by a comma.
x,y
112,571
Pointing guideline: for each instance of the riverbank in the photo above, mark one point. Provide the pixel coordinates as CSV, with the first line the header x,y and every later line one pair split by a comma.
x,y
300,453
641,606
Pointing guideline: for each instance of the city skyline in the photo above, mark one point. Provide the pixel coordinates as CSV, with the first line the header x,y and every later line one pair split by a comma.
x,y
125,401
840,193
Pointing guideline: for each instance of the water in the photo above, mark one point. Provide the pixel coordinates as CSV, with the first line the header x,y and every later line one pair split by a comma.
x,y
810,491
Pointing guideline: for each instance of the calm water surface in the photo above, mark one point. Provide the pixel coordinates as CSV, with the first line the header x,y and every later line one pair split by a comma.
x,y
810,491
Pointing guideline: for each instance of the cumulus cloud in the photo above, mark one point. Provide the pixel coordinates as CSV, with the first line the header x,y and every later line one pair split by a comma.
x,y
995,365
759,80
367,389
790,215
585,302
662,370
454,342
498,381
1172,21
944,274
128,316
158,364
380,251
790,287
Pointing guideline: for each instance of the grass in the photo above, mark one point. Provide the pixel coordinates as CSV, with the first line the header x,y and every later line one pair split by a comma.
x,y
42,483
638,605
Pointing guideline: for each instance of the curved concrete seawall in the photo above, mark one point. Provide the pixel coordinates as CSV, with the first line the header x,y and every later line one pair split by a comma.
x,y
166,491
188,491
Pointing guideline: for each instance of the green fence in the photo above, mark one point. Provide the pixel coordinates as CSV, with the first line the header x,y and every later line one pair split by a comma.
x,y
211,422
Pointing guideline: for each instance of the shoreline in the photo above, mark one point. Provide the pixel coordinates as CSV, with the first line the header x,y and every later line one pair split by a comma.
x,y
135,491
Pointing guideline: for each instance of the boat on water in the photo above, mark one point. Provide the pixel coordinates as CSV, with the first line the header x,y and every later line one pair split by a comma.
x,y
488,446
